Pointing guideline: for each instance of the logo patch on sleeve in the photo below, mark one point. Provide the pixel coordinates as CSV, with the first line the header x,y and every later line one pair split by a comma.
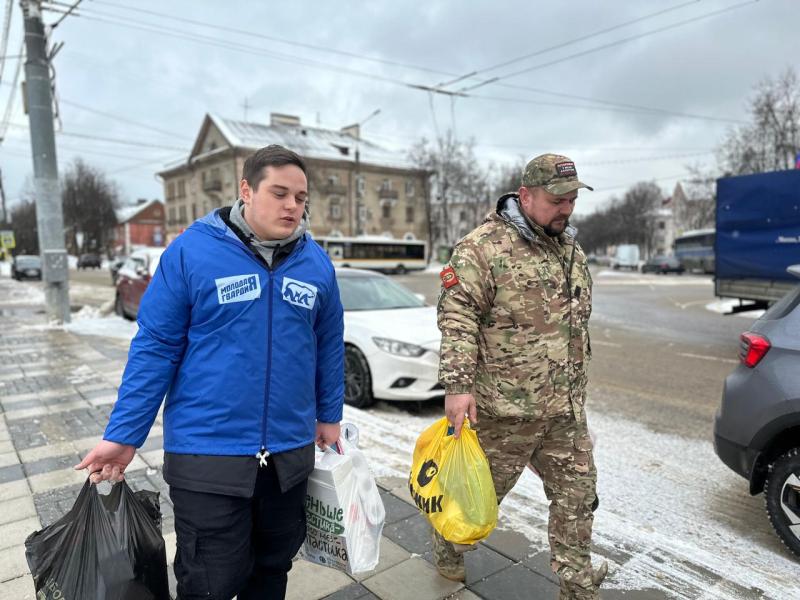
x,y
449,277
566,169
299,293
239,288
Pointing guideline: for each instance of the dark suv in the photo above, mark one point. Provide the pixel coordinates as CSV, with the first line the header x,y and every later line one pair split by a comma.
x,y
26,266
89,260
757,427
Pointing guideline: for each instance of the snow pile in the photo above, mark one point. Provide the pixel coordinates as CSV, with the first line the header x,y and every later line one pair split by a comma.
x,y
726,306
5,269
89,321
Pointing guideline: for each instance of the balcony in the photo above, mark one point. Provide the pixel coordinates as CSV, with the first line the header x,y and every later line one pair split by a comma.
x,y
334,189
386,194
212,185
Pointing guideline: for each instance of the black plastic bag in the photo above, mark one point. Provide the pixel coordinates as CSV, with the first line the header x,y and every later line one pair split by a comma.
x,y
107,547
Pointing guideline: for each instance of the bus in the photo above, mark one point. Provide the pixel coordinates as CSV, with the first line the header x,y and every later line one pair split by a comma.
x,y
376,253
695,250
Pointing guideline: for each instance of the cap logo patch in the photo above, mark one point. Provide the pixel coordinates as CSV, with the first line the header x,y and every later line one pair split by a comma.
x,y
566,169
449,277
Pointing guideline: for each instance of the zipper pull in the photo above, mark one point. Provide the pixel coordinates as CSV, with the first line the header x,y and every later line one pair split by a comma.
x,y
262,455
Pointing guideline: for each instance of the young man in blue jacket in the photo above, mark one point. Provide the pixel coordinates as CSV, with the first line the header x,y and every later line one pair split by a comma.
x,y
241,335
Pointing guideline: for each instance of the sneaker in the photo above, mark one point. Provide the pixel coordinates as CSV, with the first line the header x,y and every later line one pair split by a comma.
x,y
448,562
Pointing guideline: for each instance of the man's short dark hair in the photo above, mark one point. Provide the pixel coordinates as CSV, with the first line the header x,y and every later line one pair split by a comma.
x,y
255,167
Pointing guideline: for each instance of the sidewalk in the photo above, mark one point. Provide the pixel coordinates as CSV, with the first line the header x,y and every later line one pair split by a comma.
x,y
56,391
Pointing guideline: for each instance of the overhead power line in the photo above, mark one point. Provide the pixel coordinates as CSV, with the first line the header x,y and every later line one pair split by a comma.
x,y
262,36
251,50
122,119
68,12
11,97
638,36
582,38
99,138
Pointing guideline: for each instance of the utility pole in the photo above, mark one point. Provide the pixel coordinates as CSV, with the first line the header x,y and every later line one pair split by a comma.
x,y
49,213
4,220
360,197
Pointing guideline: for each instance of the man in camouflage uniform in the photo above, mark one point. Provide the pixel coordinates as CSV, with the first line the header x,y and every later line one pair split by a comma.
x,y
514,313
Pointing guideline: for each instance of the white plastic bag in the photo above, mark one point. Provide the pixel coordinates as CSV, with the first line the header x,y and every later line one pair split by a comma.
x,y
344,510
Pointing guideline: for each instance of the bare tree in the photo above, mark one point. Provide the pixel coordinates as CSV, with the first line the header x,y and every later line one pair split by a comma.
x,y
460,190
626,220
23,221
89,200
772,140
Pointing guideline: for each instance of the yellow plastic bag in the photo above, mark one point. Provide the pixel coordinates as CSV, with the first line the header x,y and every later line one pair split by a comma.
x,y
451,484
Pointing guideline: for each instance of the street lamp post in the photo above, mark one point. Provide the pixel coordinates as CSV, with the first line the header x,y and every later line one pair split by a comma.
x,y
358,194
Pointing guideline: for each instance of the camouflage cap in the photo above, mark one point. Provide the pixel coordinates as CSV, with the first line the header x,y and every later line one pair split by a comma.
x,y
553,172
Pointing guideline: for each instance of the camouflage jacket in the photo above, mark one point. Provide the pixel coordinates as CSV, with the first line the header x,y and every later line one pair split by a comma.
x,y
514,312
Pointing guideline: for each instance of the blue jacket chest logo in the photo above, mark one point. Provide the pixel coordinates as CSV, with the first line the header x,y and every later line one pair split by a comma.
x,y
299,293
239,288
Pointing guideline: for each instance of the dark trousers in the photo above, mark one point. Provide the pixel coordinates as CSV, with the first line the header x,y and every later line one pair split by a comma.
x,y
228,545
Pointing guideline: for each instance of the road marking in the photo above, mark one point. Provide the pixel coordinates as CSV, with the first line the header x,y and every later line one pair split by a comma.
x,y
705,357
602,343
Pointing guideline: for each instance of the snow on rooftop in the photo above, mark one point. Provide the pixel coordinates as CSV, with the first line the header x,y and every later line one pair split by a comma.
x,y
310,142
126,213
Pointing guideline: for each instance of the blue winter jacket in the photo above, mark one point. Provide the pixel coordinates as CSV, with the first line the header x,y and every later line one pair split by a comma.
x,y
248,358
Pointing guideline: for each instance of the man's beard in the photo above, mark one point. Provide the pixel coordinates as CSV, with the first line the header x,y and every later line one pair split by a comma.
x,y
555,232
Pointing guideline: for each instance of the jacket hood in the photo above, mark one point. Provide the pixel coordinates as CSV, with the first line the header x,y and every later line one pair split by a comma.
x,y
508,209
213,224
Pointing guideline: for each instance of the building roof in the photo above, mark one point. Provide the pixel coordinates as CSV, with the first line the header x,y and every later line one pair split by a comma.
x,y
308,142
126,213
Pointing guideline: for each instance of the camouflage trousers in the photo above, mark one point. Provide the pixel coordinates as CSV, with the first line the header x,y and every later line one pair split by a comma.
x,y
561,451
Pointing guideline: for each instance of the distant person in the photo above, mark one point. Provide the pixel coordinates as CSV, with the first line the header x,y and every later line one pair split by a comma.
x,y
514,314
241,329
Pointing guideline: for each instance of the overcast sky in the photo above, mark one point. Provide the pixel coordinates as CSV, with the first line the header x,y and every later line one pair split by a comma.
x,y
690,70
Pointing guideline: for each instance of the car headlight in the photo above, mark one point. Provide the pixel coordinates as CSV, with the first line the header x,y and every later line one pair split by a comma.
x,y
399,348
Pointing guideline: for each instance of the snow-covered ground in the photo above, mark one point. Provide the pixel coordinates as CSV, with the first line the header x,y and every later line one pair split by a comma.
x,y
667,503
20,292
726,306
92,321
5,269
664,500
636,278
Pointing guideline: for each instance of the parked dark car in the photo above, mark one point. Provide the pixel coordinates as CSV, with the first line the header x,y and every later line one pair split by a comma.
x,y
114,266
663,264
757,427
133,278
86,261
26,266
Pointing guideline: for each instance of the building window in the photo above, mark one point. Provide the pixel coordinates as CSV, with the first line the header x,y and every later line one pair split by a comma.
x,y
171,215
170,190
194,211
662,225
387,211
335,211
409,188
181,188
386,185
182,214
462,216
333,179
409,214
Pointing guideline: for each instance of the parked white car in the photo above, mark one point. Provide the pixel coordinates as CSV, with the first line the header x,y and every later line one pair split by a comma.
x,y
391,340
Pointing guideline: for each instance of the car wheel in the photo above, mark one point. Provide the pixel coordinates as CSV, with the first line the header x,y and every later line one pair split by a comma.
x,y
401,270
782,492
357,379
